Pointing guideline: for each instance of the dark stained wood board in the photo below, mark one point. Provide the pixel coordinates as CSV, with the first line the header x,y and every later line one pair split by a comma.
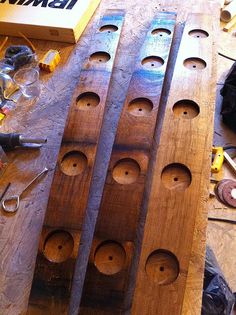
x,y
180,174
46,117
70,187
112,248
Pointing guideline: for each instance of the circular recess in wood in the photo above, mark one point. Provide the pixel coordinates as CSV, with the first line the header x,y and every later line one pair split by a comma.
x,y
58,246
176,176
198,33
100,57
140,106
152,62
162,267
194,63
161,32
110,257
109,28
186,109
126,171
73,163
87,100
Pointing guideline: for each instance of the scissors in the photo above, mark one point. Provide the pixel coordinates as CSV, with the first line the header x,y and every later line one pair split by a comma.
x,y
16,198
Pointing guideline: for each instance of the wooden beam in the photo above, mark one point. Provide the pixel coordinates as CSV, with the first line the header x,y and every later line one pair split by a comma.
x,y
113,244
70,188
180,175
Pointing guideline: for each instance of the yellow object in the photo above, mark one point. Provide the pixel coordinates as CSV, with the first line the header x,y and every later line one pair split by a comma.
x,y
50,60
3,43
2,116
218,159
57,20
229,25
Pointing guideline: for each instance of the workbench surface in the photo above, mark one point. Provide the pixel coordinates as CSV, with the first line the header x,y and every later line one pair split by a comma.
x,y
19,233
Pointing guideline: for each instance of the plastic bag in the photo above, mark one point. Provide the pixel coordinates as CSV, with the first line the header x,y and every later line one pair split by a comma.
x,y
217,299
228,110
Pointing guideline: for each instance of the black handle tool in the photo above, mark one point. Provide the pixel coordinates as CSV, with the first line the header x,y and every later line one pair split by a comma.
x,y
14,140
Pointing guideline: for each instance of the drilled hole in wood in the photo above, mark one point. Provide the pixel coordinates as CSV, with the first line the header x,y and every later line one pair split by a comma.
x,y
198,33
73,163
176,176
162,267
58,246
161,32
140,107
110,257
194,63
186,109
109,28
87,100
152,62
100,57
126,171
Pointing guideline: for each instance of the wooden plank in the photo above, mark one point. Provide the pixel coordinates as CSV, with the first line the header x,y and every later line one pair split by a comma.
x,y
19,234
60,236
112,249
180,175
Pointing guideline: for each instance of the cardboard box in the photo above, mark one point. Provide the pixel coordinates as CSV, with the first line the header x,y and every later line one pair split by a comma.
x,y
57,20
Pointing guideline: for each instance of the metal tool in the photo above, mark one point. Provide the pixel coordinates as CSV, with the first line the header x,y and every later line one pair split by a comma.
x,y
5,191
13,140
3,161
16,198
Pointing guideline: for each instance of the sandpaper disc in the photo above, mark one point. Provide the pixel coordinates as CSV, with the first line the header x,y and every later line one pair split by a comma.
x,y
219,189
229,193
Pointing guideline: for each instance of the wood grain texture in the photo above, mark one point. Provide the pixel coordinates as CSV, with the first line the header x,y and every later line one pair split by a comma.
x,y
19,234
112,248
180,175
70,187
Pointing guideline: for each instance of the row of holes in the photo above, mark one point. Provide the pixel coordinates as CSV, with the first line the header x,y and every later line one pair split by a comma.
x,y
126,171
110,257
162,266
151,62
196,33
141,106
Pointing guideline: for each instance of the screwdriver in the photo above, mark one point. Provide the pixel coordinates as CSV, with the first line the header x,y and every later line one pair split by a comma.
x,y
14,140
